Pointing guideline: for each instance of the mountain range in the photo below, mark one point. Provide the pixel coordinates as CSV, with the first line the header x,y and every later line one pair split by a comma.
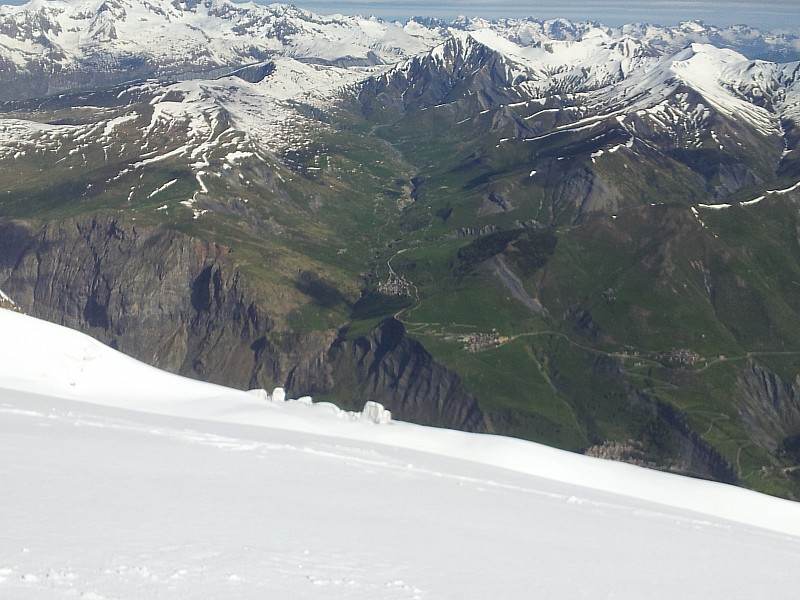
x,y
574,234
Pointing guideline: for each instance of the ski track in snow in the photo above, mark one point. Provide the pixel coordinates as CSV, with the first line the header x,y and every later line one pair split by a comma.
x,y
164,560
169,508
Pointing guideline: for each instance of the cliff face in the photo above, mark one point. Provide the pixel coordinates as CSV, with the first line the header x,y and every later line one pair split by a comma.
x,y
156,294
668,440
771,411
692,455
399,373
178,303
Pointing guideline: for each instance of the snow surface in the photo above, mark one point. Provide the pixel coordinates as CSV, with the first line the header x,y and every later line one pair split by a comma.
x,y
122,481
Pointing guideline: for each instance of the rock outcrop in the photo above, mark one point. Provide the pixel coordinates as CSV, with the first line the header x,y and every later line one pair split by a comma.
x,y
396,370
161,296
692,454
771,411
179,303
668,441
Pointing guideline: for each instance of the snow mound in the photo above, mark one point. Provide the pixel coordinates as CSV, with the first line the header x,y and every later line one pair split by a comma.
x,y
376,413
278,395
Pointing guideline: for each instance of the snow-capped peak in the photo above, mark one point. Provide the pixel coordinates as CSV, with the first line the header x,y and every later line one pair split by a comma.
x,y
197,36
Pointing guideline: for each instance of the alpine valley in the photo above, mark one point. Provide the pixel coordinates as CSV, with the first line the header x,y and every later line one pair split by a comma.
x,y
573,234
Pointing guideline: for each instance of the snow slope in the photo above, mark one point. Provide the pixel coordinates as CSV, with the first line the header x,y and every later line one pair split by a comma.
x,y
121,481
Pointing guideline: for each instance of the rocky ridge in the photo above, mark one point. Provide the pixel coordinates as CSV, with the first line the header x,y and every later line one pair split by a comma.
x,y
179,303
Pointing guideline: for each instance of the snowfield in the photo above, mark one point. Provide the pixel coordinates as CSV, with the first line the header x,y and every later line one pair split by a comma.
x,y
121,481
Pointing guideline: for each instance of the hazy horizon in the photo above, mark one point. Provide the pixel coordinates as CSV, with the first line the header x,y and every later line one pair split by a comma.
x,y
778,15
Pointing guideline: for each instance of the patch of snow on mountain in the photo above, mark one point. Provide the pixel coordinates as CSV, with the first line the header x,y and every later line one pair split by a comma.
x,y
788,190
310,83
707,69
18,135
162,188
570,65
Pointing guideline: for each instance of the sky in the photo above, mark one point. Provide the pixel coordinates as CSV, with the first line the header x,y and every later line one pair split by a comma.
x,y
773,14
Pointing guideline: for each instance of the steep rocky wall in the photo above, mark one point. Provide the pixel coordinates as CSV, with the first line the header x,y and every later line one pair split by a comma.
x,y
180,304
667,438
156,294
398,372
771,410
693,455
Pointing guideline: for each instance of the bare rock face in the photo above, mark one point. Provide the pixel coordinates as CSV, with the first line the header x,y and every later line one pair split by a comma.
x,y
772,408
578,191
693,455
156,294
397,371
669,441
459,67
176,302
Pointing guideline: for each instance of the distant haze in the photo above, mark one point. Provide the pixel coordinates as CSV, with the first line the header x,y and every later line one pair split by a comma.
x,y
775,14
781,15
